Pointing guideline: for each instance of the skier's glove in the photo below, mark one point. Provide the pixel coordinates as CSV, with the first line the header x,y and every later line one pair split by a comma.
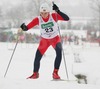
x,y
56,8
24,27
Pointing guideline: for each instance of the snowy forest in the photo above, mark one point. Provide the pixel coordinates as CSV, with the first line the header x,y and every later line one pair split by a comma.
x,y
15,14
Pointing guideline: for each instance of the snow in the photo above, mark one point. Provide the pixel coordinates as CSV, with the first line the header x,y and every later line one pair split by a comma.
x,y
22,65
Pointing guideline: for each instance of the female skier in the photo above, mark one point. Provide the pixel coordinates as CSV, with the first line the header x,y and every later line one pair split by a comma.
x,y
49,36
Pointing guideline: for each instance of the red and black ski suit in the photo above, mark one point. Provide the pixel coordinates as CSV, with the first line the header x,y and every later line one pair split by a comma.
x,y
45,43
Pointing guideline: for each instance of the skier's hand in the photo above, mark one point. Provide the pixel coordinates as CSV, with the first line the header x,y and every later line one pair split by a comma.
x,y
24,27
55,7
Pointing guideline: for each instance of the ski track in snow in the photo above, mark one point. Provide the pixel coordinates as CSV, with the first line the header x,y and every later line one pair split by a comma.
x,y
22,65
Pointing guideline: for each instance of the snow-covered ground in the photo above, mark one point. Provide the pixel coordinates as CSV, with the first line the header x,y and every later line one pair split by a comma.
x,y
22,65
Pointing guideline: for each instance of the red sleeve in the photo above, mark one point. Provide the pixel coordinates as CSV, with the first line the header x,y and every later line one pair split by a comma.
x,y
33,23
56,17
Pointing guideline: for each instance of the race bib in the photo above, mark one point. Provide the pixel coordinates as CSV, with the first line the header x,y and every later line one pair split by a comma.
x,y
48,29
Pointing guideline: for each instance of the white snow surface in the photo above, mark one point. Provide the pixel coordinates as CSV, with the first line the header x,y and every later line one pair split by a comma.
x,y
21,67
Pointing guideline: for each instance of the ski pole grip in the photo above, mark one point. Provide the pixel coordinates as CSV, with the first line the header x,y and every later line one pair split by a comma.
x,y
53,2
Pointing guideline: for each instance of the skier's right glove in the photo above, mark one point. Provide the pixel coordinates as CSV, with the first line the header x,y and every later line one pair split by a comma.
x,y
56,8
24,27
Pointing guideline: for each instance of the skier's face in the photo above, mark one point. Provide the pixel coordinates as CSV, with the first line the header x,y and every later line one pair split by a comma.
x,y
44,14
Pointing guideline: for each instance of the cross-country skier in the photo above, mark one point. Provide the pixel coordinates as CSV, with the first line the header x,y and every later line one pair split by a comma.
x,y
49,36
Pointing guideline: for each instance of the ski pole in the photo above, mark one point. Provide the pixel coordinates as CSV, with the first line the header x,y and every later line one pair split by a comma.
x,y
66,69
62,48
11,56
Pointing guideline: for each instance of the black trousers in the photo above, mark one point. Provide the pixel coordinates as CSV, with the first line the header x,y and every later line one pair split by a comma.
x,y
57,62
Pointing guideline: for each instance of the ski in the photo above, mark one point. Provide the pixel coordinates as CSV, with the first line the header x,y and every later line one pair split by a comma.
x,y
64,80
58,80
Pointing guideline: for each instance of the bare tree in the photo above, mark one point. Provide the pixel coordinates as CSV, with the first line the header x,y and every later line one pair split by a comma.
x,y
1,14
21,12
95,5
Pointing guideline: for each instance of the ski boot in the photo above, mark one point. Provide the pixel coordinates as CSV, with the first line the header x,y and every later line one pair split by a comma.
x,y
35,75
55,74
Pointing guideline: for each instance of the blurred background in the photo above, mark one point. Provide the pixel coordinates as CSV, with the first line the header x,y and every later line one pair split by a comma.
x,y
84,16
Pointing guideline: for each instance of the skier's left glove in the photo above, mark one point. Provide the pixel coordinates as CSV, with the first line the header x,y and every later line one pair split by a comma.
x,y
24,27
56,8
